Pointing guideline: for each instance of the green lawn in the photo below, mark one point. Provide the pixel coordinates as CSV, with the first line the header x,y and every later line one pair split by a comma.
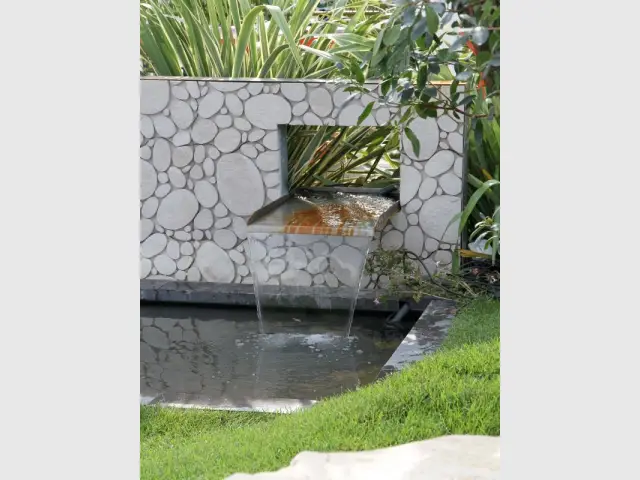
x,y
455,391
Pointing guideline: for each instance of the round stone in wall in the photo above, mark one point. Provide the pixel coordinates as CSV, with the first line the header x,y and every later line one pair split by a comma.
x,y
180,92
446,123
145,267
196,172
241,124
176,177
205,193
412,219
320,102
181,114
153,245
300,109
220,210
161,155
228,140
214,263
439,163
276,266
272,179
318,279
294,91
183,236
240,184
243,94
457,167
340,97
208,167
197,235
268,161
392,240
427,188
146,228
234,104
163,190
256,134
345,263
311,119
163,177
427,132
267,111
203,130
213,152
237,257
399,221
249,150
164,126
177,209
430,245
450,183
182,156
254,88
203,220
146,126
435,215
148,180
296,278
154,96
456,142
318,265
185,262
414,240
409,183
413,206
193,88
443,257
186,248
149,207
240,227
183,137
173,249
331,280
145,153
349,116
193,275
223,121
257,251
210,104
296,258
225,239
272,141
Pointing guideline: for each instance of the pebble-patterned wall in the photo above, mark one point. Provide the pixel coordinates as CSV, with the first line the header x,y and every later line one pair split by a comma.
x,y
213,152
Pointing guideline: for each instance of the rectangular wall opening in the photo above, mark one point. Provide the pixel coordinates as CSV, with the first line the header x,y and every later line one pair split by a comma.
x,y
321,156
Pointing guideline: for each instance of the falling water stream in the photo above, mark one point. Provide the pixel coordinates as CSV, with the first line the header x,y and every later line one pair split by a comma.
x,y
308,252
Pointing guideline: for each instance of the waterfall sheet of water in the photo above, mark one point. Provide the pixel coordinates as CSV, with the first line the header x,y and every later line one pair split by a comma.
x,y
313,238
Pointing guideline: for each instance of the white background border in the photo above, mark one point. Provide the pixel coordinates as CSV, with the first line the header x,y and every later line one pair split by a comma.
x,y
69,219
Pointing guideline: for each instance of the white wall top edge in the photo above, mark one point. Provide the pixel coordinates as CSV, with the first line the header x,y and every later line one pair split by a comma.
x,y
266,80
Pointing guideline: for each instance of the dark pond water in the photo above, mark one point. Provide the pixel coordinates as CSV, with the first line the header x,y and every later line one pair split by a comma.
x,y
216,357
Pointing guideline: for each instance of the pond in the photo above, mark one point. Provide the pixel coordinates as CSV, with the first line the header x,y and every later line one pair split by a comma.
x,y
212,356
